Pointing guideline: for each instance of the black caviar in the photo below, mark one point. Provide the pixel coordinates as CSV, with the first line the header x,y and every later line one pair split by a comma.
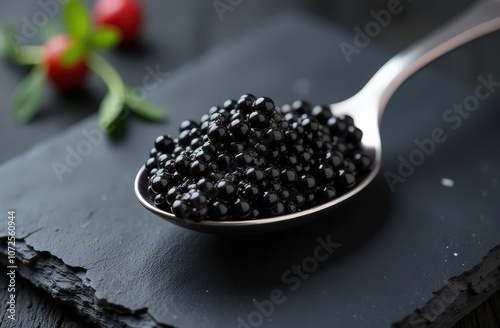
x,y
250,159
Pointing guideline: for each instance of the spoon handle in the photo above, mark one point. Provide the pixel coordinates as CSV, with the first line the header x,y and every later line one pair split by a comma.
x,y
481,18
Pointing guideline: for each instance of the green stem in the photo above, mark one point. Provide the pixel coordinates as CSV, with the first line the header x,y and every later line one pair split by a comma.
x,y
107,73
112,104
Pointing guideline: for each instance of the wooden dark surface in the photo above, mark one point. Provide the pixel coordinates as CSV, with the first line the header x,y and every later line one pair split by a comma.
x,y
487,315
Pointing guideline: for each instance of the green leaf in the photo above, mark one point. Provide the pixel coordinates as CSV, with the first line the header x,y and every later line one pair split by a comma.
x,y
106,37
21,55
8,45
143,108
72,55
77,20
28,95
110,110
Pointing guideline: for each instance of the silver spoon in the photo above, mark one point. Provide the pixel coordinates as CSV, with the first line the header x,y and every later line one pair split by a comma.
x,y
366,108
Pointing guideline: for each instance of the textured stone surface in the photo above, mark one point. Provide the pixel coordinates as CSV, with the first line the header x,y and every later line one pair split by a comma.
x,y
36,309
70,285
89,243
460,296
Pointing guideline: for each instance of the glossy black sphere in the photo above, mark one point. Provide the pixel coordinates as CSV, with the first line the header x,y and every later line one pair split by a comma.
x,y
164,144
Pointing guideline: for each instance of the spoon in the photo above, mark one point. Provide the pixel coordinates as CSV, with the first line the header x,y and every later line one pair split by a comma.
x,y
366,108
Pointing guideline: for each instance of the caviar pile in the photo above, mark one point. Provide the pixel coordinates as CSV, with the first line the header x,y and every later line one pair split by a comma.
x,y
250,159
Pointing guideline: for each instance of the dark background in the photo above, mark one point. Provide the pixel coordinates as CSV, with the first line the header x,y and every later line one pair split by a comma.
x,y
179,31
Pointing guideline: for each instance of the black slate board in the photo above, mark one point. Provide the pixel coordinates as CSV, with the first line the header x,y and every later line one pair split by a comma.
x,y
88,241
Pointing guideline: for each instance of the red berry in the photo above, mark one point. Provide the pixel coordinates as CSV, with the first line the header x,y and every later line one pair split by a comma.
x,y
126,15
65,78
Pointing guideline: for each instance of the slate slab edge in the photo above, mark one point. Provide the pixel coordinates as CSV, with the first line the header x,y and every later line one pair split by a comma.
x,y
71,286
461,295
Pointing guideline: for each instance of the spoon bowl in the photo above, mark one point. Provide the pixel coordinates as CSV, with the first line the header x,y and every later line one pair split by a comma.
x,y
251,226
366,108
